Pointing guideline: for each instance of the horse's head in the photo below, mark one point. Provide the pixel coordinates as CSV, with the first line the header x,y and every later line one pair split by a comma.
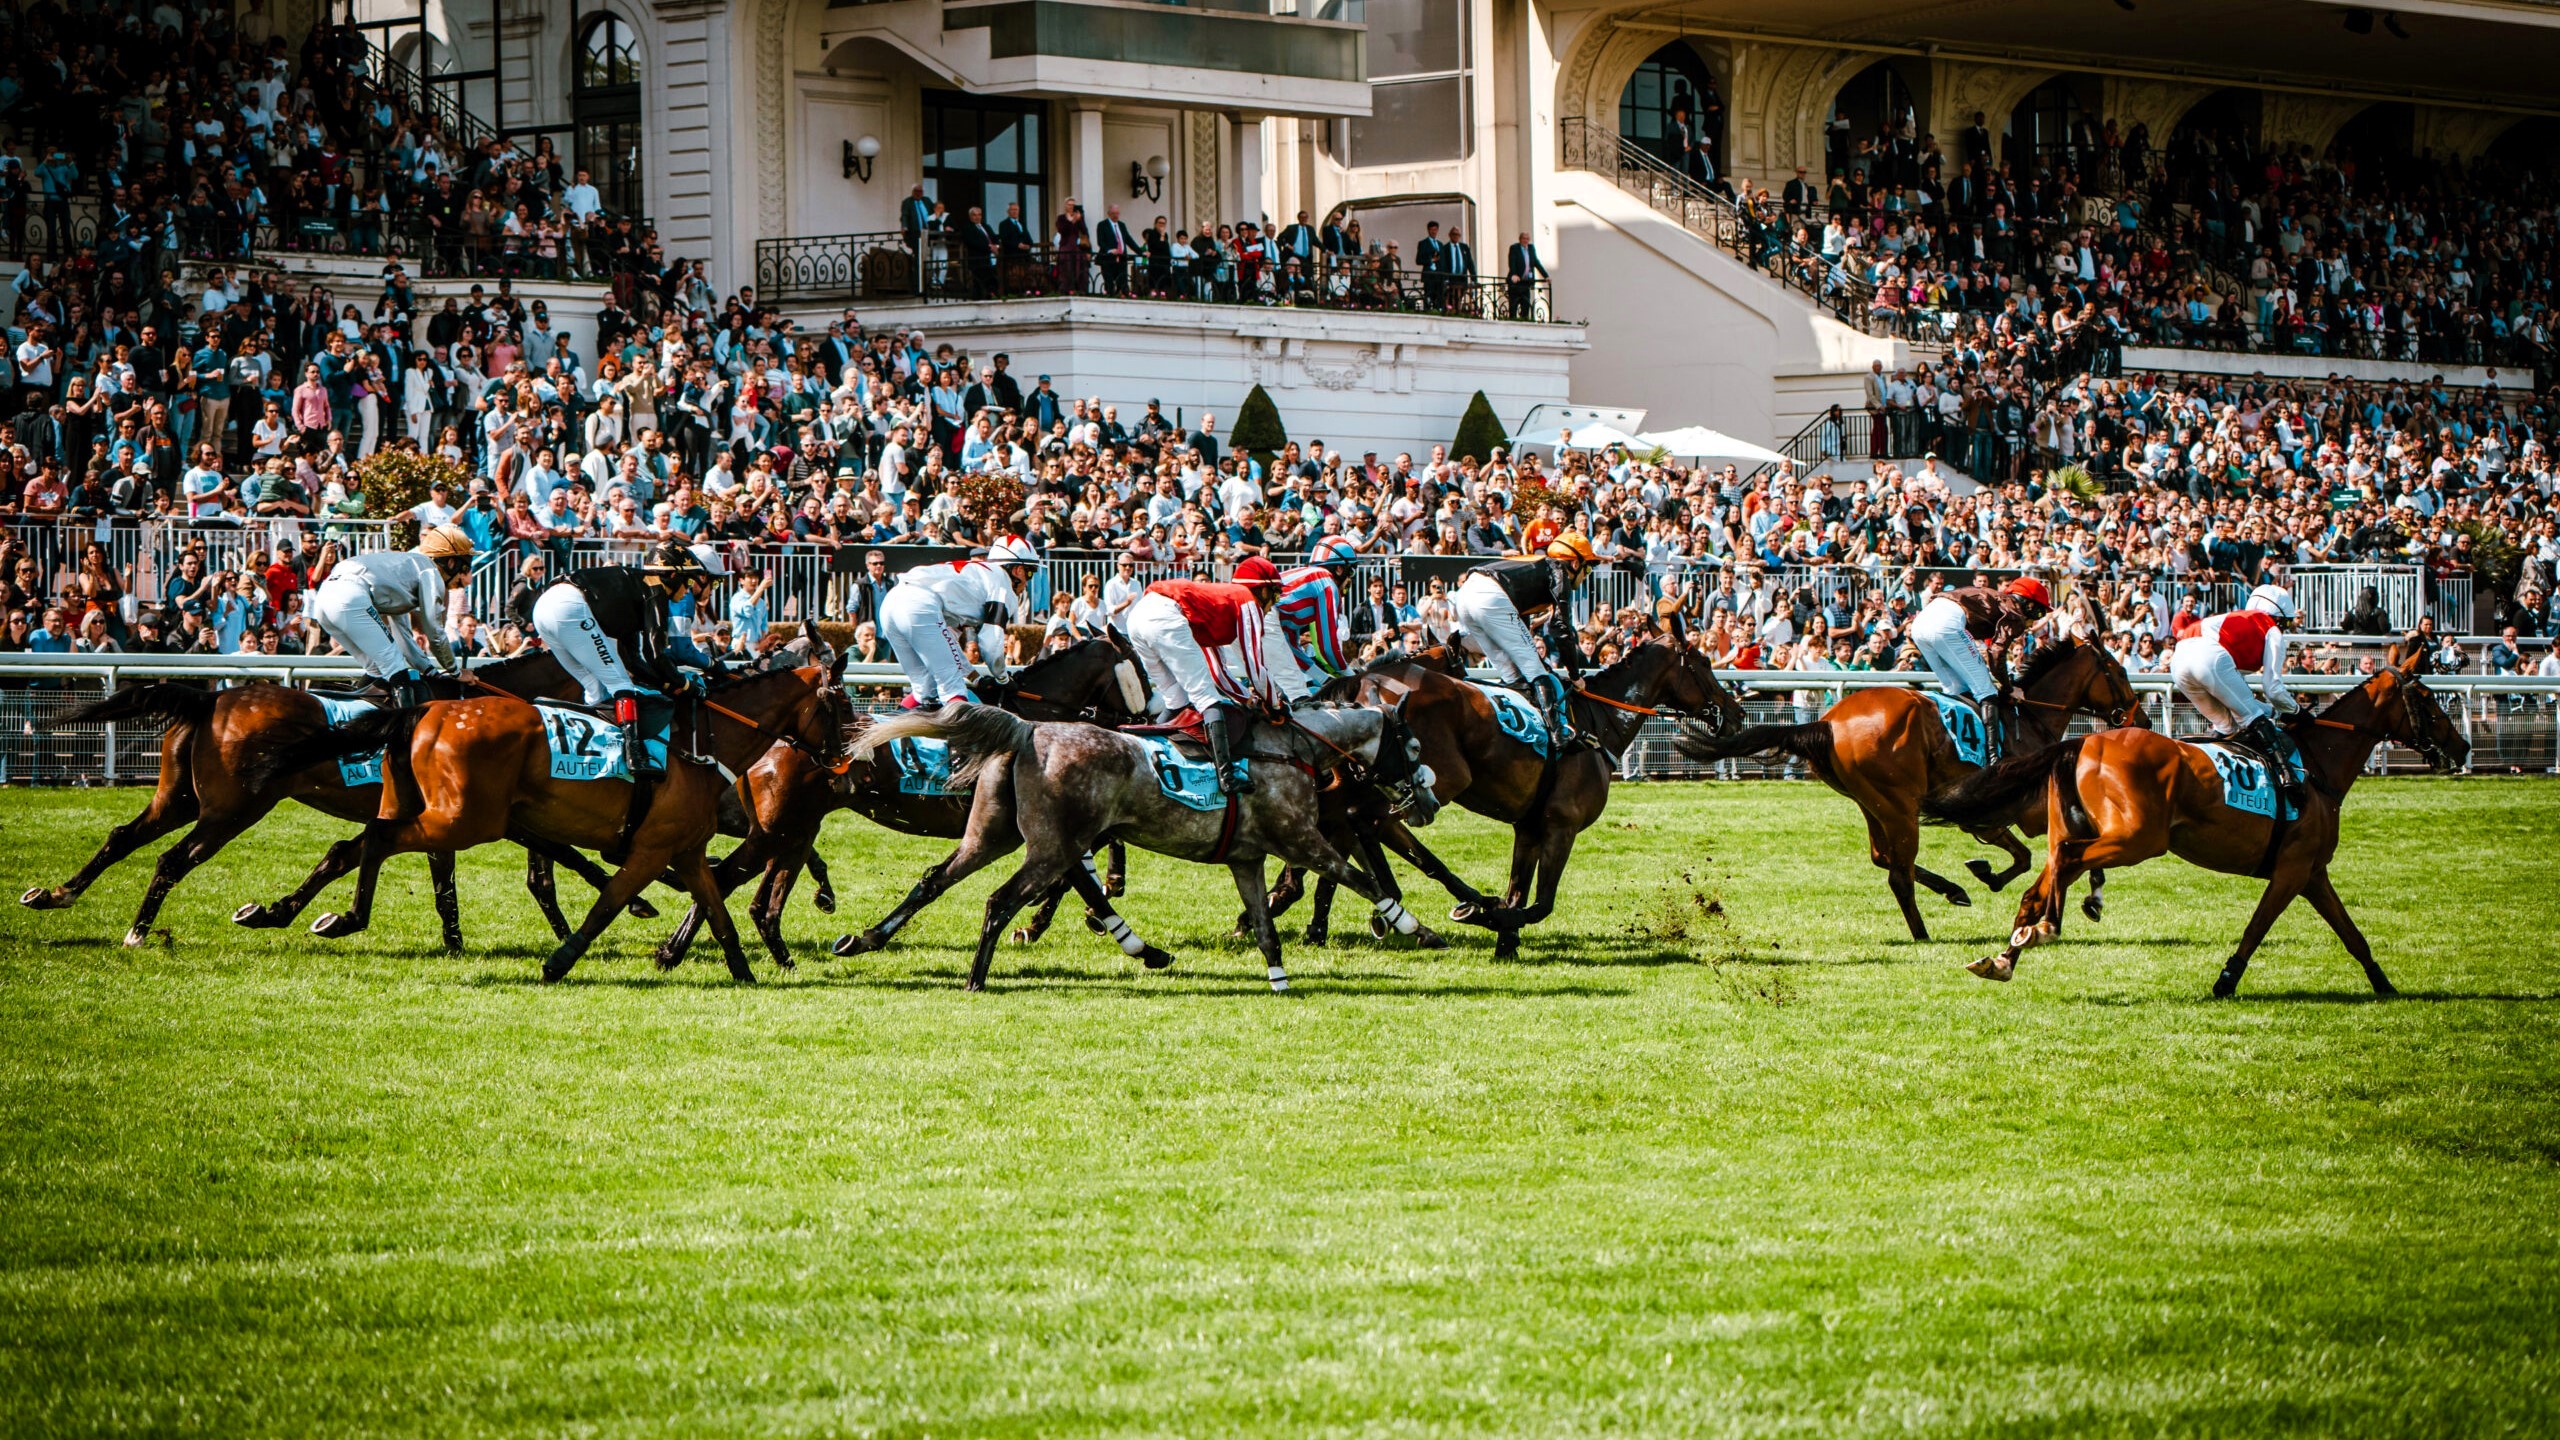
x,y
1099,675
1691,688
1399,774
2407,711
820,720
2082,677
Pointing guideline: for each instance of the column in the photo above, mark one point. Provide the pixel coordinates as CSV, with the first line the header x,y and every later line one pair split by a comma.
x,y
1084,163
1246,203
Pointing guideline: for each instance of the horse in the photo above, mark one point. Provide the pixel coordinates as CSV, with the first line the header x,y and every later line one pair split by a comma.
x,y
461,773
2124,796
788,796
216,774
1076,785
1886,749
1547,803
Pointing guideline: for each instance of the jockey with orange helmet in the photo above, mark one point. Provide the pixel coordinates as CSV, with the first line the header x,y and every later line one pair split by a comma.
x,y
1492,606
1205,647
1955,630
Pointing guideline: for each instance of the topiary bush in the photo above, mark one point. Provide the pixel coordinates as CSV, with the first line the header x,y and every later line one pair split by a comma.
x,y
1258,431
398,480
1479,432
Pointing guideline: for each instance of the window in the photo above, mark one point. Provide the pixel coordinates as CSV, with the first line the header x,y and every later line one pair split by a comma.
x,y
606,106
1672,82
986,152
1419,84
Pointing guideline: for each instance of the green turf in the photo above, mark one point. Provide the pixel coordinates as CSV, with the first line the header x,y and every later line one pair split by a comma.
x,y
1721,1154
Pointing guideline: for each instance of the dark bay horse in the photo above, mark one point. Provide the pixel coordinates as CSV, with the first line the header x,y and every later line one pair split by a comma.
x,y
462,773
2125,796
1074,786
1547,805
216,774
788,795
1886,749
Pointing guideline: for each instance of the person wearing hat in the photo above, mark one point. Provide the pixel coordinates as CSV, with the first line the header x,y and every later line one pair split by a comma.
x,y
609,626
363,594
1493,605
931,603
1954,632
2212,669
1204,645
1310,618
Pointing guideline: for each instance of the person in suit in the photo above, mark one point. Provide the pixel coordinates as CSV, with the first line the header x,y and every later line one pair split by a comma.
x,y
1426,258
1523,270
1374,619
1013,238
1799,196
1159,247
1115,246
978,251
1298,250
1458,262
1071,244
915,217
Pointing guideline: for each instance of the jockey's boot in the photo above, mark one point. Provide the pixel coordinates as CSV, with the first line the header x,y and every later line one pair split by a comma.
x,y
1225,725
1548,691
2262,736
1994,714
409,689
635,747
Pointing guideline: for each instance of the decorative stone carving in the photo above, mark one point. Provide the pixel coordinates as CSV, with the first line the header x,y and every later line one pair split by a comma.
x,y
1200,184
1961,87
2289,119
2460,134
772,150
2159,104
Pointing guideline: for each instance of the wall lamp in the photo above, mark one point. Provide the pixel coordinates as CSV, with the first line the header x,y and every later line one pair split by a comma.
x,y
1146,182
858,155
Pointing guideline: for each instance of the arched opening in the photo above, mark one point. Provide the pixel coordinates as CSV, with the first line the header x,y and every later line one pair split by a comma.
x,y
605,103
1874,125
2221,128
2055,129
1673,110
2526,150
2376,144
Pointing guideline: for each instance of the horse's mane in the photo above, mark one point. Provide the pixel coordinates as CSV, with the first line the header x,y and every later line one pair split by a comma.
x,y
1634,653
2045,660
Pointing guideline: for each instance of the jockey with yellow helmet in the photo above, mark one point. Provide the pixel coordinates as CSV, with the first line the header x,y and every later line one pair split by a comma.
x,y
1957,630
364,593
609,626
1493,605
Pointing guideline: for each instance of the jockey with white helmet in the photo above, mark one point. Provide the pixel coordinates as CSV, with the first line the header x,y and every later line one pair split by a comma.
x,y
363,593
930,605
2212,669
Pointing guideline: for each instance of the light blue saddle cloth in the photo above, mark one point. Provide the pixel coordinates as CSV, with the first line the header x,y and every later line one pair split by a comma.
x,y
924,766
352,769
2247,782
1963,727
589,747
1517,714
1185,781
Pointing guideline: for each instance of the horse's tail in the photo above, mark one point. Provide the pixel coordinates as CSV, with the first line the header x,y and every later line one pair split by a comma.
x,y
1809,742
289,755
1989,794
177,702
979,736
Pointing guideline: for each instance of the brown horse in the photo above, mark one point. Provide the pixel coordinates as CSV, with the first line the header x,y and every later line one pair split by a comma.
x,y
1547,804
2125,796
217,774
463,773
1886,749
788,795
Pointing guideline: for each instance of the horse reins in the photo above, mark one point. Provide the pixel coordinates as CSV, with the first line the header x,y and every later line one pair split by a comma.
x,y
772,731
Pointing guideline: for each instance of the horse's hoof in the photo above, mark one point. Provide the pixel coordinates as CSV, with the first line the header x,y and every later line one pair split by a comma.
x,y
1094,923
1957,896
1377,926
332,926
665,958
2094,908
1115,888
1155,959
974,987
40,898
253,915
640,909
2225,986
134,938
825,900
1981,870
862,944
1994,967
1318,935
1429,939
556,969
1022,935
1508,947
453,944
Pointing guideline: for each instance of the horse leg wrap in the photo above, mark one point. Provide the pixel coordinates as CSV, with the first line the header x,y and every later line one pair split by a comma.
x,y
1279,978
1395,914
1130,944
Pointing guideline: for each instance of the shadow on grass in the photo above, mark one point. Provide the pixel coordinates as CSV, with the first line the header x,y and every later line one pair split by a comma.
x,y
2203,996
1173,986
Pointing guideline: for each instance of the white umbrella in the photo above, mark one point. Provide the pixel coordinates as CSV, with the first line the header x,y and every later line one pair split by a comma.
x,y
1697,442
1594,436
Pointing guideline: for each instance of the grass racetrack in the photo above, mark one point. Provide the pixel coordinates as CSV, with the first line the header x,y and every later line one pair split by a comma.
x,y
1722,1154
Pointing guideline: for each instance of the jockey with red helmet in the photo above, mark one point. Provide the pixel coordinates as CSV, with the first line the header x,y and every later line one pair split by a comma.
x,y
1205,646
1957,628
2213,667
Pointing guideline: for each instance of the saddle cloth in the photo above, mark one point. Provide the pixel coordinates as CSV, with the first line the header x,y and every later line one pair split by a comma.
x,y
1517,714
1188,782
1964,727
2247,782
352,769
589,747
924,766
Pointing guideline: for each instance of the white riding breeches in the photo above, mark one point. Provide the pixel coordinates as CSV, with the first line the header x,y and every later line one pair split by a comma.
x,y
937,668
1494,630
567,625
1282,661
1938,633
346,610
2206,674
1175,663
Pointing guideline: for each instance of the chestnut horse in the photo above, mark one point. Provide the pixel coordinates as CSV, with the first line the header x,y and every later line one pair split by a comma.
x,y
2124,796
1547,804
1886,749
462,773
217,773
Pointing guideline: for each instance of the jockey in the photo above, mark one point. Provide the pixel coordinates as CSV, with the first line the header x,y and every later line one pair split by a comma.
x,y
1954,632
1205,647
1492,603
931,605
362,594
608,626
1310,607
2212,668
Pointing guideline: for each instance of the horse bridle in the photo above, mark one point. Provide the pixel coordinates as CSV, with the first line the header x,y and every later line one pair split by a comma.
x,y
769,732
